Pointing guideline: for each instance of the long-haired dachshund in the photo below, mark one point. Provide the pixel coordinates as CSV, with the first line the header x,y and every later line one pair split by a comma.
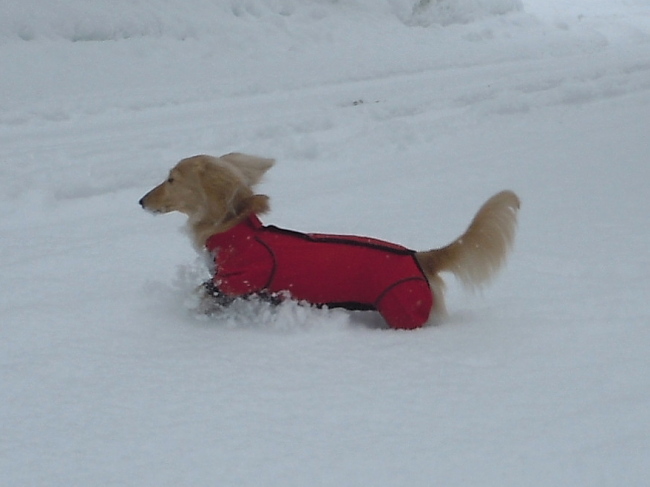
x,y
251,259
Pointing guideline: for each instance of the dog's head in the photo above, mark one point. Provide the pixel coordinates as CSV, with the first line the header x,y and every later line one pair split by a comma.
x,y
211,189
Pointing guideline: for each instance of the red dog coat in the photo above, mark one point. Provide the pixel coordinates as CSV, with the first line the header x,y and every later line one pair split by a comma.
x,y
337,271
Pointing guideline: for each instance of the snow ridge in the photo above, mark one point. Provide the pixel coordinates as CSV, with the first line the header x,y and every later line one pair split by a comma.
x,y
91,21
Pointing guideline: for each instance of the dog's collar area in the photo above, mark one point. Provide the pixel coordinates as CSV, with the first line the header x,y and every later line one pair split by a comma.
x,y
244,229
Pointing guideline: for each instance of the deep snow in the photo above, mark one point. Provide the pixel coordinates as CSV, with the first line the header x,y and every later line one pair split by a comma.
x,y
389,118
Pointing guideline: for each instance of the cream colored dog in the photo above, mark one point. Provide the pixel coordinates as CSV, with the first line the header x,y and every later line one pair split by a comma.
x,y
216,193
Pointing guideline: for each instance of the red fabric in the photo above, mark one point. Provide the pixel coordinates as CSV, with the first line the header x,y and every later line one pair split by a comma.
x,y
348,271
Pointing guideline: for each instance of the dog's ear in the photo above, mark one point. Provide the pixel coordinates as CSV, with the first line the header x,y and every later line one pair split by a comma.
x,y
226,195
219,183
257,203
252,168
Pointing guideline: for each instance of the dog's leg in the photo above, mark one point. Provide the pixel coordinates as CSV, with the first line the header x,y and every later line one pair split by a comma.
x,y
211,299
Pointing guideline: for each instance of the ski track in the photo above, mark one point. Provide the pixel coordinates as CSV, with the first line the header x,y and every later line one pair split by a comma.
x,y
109,376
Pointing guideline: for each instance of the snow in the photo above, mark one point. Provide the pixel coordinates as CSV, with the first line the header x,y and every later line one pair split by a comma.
x,y
389,118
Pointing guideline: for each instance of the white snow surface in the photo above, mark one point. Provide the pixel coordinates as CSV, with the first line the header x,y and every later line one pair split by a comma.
x,y
389,118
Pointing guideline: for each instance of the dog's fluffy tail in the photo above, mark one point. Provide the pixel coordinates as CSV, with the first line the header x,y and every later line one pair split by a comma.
x,y
476,256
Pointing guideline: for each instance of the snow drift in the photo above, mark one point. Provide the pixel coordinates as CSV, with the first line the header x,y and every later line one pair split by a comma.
x,y
92,21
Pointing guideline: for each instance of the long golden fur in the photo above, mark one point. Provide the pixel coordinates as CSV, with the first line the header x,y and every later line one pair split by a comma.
x,y
216,193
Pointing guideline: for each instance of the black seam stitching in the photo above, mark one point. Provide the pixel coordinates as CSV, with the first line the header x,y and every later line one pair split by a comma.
x,y
335,239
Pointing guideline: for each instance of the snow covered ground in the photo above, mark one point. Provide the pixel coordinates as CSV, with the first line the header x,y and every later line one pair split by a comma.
x,y
389,118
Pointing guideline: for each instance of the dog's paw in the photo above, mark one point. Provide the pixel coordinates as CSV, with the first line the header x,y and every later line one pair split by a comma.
x,y
209,300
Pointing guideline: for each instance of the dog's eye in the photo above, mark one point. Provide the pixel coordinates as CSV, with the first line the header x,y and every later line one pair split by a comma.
x,y
170,180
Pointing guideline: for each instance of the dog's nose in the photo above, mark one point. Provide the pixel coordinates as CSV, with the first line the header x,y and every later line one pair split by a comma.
x,y
141,202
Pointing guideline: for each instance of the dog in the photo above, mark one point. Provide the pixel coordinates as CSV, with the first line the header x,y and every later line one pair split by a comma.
x,y
357,273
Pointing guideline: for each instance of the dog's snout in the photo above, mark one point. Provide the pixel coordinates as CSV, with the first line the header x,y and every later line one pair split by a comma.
x,y
143,201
